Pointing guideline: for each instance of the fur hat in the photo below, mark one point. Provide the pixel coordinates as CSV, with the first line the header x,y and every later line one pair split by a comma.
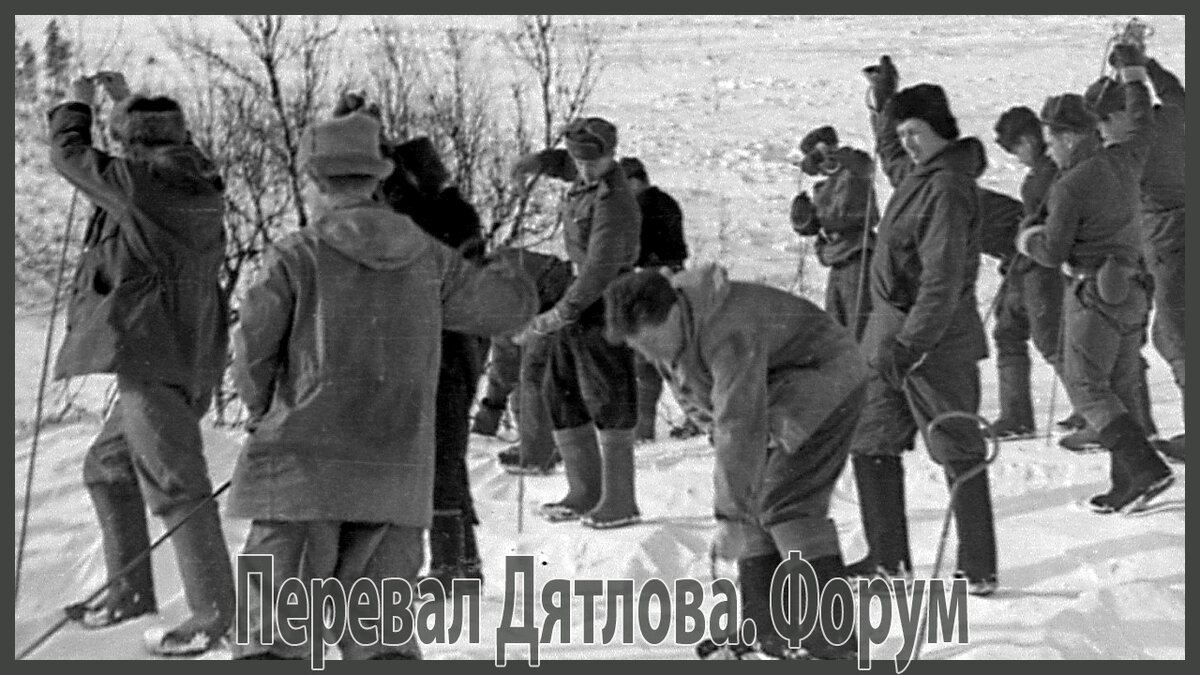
x,y
926,102
826,134
344,146
1067,112
148,121
632,167
590,138
421,159
1016,122
1104,97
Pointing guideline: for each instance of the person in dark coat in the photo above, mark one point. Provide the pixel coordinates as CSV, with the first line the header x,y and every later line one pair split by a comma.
x,y
1163,191
1091,226
1030,305
924,337
841,214
662,245
147,307
779,386
336,358
417,188
536,452
590,384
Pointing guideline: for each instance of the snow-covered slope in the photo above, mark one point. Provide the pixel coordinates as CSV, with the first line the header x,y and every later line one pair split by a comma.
x,y
712,104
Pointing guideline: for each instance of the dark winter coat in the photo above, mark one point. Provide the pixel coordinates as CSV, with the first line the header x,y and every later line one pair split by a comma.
x,y
336,358
145,300
602,229
1000,218
1093,205
760,368
1034,189
662,240
926,260
1164,185
843,204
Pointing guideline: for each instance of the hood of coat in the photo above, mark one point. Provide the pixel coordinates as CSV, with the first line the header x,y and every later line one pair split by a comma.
x,y
371,234
705,286
965,155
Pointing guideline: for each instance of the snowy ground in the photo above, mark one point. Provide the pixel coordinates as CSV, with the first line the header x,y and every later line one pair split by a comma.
x,y
713,104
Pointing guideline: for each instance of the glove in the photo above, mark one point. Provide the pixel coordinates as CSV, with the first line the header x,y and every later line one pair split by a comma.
x,y
1124,55
543,324
883,79
895,361
83,89
804,215
113,84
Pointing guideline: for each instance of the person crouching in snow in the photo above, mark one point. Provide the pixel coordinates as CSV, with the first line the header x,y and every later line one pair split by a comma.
x,y
148,308
780,384
336,359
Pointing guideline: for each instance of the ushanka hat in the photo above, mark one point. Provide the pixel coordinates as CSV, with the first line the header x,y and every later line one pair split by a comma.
x,y
148,121
590,138
926,102
826,134
344,146
1104,97
1067,112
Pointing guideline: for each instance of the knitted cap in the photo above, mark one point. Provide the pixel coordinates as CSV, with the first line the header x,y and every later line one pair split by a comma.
x,y
1104,97
590,138
1067,112
148,121
926,102
826,134
344,146
1014,123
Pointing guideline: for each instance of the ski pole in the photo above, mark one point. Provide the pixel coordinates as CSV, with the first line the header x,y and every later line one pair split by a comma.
x,y
41,394
861,287
64,620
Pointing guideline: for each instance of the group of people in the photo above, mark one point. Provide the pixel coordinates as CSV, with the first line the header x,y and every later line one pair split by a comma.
x,y
355,447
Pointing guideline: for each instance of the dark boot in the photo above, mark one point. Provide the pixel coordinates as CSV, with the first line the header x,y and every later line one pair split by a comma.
x,y
618,498
445,548
1072,422
1016,407
817,646
975,526
1144,470
487,417
1144,413
581,462
754,583
754,588
207,575
121,513
880,482
471,566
